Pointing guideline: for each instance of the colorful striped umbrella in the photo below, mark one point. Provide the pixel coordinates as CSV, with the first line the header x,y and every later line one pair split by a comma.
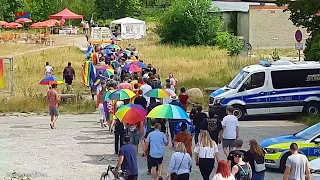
x,y
140,64
131,113
132,68
121,94
115,64
106,95
158,93
190,127
108,72
168,111
51,80
107,51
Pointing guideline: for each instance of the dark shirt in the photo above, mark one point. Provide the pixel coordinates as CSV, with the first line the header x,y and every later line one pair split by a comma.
x,y
250,156
231,157
213,126
119,126
177,103
198,119
68,72
129,164
141,100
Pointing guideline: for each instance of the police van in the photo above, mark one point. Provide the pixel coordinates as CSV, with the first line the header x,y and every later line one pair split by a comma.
x,y
270,88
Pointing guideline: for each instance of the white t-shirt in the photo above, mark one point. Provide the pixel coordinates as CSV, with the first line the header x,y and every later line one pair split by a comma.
x,y
230,124
145,88
48,70
168,100
219,177
206,152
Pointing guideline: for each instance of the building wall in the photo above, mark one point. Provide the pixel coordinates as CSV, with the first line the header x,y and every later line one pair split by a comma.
x,y
243,25
270,28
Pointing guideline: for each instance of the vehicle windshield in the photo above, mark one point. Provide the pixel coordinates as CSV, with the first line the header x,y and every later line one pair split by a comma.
x,y
238,79
309,132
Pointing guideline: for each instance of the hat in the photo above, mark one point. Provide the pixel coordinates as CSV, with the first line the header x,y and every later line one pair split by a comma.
x,y
237,154
174,97
146,76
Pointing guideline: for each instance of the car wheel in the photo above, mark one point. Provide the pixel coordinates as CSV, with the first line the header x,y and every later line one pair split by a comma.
x,y
239,112
283,161
311,109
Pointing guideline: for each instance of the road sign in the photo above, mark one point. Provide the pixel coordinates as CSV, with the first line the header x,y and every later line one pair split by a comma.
x,y
298,36
299,46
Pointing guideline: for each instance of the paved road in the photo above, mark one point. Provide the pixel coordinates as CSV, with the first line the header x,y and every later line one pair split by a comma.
x,y
71,151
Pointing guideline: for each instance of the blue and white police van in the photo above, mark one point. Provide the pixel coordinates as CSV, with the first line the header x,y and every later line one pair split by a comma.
x,y
271,88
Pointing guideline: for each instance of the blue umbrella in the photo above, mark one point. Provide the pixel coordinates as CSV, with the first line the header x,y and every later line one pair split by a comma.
x,y
113,46
190,127
107,51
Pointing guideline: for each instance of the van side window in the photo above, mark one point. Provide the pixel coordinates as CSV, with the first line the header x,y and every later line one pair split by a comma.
x,y
255,81
295,78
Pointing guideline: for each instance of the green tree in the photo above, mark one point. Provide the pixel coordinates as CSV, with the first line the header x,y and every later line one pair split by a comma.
x,y
303,14
188,22
113,9
8,8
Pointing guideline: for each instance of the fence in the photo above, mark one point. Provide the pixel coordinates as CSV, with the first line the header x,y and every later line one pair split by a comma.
x,y
7,75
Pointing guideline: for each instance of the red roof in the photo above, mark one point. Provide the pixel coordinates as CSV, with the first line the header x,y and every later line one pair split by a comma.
x,y
66,14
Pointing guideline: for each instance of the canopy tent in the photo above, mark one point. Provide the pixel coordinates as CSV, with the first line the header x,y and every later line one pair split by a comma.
x,y
66,14
131,28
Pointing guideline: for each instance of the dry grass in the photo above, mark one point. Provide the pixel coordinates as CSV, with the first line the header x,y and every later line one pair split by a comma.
x,y
193,66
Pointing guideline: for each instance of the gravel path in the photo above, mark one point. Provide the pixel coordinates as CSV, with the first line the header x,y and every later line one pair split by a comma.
x,y
72,151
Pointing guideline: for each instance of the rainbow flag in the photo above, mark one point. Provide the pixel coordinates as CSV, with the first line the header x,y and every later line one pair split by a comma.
x,y
88,73
1,74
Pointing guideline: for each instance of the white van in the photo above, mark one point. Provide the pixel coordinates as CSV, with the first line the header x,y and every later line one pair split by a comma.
x,y
280,87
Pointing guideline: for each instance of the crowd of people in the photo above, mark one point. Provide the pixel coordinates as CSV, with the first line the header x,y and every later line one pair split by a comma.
x,y
153,134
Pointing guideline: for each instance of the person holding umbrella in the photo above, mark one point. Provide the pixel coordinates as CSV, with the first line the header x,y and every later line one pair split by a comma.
x,y
53,99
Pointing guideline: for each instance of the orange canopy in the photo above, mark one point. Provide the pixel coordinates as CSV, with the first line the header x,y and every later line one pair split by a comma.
x,y
23,20
66,14
40,25
13,25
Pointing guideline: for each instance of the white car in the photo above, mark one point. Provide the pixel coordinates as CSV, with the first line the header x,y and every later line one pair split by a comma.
x,y
315,169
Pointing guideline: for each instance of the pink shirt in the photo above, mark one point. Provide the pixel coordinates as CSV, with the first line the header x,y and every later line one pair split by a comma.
x,y
52,98
124,85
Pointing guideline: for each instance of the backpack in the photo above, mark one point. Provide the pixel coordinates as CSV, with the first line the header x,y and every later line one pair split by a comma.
x,y
212,124
68,71
155,84
244,173
259,166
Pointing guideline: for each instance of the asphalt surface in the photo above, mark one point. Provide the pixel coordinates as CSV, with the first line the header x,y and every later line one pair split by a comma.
x,y
72,151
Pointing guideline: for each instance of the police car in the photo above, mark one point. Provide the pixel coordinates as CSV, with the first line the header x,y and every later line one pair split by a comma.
x,y
271,88
277,148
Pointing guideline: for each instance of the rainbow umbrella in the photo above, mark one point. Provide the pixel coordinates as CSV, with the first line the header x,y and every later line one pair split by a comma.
x,y
131,113
108,72
122,94
168,111
132,68
104,67
158,93
115,64
106,95
113,46
51,80
140,64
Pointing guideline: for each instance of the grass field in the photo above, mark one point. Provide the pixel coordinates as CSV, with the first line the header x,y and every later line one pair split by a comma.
x,y
199,66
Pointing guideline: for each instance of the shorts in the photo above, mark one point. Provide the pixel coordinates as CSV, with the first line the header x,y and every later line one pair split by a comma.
x,y
231,143
53,111
155,162
68,80
101,111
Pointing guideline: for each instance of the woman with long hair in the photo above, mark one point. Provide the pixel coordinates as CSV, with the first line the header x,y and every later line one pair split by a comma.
x,y
255,157
180,163
100,106
223,172
206,151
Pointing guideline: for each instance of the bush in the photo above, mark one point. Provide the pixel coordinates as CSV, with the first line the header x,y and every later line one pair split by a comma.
x,y
231,43
312,50
188,22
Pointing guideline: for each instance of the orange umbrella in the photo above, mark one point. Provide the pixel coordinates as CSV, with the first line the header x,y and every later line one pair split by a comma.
x,y
52,22
3,23
13,25
23,20
40,25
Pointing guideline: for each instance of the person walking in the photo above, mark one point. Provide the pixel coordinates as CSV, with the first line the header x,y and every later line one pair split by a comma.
x,y
255,157
147,149
213,126
134,135
184,98
223,172
125,84
157,141
180,163
48,70
118,130
242,170
101,108
230,157
230,131
53,98
185,138
297,165
69,75
197,120
128,159
141,100
206,152
173,81
145,88
171,92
